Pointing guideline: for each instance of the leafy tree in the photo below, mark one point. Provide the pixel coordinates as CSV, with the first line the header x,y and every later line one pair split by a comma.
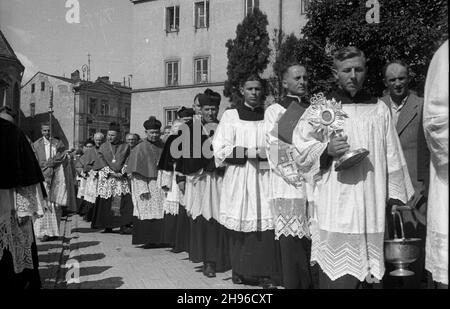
x,y
410,30
248,53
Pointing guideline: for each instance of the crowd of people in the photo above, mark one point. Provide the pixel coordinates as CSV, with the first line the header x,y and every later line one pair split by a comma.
x,y
261,191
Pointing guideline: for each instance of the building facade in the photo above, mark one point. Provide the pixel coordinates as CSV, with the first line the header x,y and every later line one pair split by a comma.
x,y
80,108
179,48
11,72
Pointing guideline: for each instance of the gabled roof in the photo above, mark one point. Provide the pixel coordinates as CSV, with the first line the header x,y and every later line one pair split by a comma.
x,y
65,79
6,50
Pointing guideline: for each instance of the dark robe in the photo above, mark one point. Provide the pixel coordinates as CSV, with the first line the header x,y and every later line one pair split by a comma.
x,y
21,170
86,163
253,255
103,214
176,228
207,242
20,165
143,161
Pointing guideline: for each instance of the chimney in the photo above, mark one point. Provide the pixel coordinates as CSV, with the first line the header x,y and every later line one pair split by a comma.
x,y
75,75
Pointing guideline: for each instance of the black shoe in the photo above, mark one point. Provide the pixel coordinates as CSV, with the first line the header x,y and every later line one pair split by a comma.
x,y
126,230
267,284
108,230
209,270
237,279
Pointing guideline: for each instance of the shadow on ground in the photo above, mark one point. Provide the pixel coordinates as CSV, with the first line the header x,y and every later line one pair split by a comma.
x,y
108,283
88,257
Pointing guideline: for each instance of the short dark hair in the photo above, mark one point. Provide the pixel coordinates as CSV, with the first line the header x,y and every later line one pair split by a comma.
x,y
396,61
8,110
252,78
289,65
347,53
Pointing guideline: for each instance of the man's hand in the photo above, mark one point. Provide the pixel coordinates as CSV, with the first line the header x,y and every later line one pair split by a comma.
x,y
182,186
338,146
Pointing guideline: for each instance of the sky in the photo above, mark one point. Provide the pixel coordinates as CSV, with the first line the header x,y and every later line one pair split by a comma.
x,y
45,41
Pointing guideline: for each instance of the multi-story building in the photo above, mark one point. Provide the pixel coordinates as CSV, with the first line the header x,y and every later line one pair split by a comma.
x,y
80,108
179,48
11,71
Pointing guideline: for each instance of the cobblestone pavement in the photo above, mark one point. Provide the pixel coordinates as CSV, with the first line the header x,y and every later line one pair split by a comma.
x,y
110,261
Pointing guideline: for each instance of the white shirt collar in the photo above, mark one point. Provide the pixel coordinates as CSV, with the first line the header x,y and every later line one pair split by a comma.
x,y
295,97
396,107
249,106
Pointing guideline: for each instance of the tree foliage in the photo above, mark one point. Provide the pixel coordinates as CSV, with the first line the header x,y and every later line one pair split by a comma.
x,y
410,30
248,53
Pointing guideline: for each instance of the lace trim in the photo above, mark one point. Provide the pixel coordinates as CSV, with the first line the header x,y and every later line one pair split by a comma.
x,y
147,198
165,179
6,240
246,225
26,201
359,255
308,162
437,256
111,186
171,207
291,218
400,186
21,247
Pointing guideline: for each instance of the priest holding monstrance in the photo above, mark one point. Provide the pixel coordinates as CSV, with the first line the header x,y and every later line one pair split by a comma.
x,y
349,149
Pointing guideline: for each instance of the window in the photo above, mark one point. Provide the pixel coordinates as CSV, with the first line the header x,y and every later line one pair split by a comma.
x,y
32,109
42,86
201,14
172,19
170,114
104,108
126,113
92,106
32,88
172,69
250,5
304,6
201,70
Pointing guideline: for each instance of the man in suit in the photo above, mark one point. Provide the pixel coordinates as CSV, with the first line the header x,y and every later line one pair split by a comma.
x,y
50,154
407,108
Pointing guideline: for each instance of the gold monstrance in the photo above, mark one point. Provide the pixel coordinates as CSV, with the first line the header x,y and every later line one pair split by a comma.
x,y
328,117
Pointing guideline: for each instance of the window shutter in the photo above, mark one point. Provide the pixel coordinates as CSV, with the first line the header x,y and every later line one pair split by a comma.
x,y
177,17
165,21
194,15
207,13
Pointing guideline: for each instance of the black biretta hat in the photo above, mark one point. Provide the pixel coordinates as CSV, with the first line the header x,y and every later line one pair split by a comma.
x,y
152,124
209,97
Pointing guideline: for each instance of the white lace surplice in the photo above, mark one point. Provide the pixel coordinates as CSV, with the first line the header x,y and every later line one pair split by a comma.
x,y
147,198
91,191
350,205
109,186
172,197
244,201
289,203
435,124
202,195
